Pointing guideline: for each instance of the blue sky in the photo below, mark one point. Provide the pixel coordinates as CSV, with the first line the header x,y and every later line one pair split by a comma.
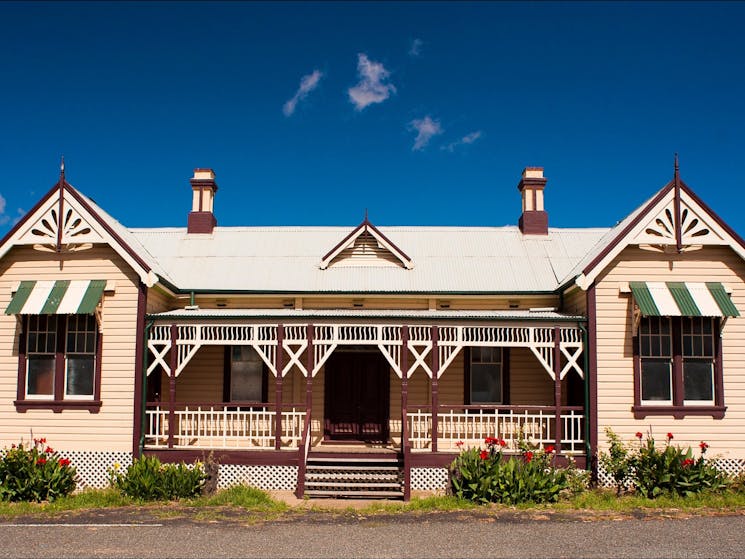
x,y
422,113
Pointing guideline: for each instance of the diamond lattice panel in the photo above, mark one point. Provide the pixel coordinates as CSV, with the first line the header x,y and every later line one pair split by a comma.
x,y
429,479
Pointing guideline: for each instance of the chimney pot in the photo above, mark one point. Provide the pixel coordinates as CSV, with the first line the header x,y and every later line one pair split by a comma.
x,y
201,218
534,219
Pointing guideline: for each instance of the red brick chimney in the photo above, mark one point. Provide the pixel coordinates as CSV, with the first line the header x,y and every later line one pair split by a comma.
x,y
201,218
534,219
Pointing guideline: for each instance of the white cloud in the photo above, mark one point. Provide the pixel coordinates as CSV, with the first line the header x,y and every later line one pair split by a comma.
x,y
370,88
416,48
5,218
307,84
467,139
426,129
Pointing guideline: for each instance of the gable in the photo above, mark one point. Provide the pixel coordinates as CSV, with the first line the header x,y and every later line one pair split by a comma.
x,y
366,246
64,221
676,220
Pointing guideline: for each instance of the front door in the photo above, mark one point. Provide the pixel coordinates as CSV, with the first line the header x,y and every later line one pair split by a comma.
x,y
357,396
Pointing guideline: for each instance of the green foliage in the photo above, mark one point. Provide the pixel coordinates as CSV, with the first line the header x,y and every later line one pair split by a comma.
x,y
241,496
149,480
655,472
35,473
483,476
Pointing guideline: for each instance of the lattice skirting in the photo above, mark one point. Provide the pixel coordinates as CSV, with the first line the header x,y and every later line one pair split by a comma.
x,y
429,479
262,477
93,467
730,466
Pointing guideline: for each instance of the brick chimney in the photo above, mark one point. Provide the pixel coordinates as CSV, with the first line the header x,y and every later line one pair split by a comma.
x,y
201,218
534,219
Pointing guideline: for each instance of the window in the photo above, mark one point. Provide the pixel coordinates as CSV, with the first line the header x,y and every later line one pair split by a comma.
x,y
678,368
485,378
245,375
59,364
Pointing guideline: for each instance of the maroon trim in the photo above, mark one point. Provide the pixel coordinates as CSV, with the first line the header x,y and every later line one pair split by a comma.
x,y
592,375
279,363
557,389
405,443
435,387
309,363
676,205
364,225
99,364
21,389
467,375
719,221
31,212
60,209
718,366
506,375
59,358
617,239
139,368
128,249
173,364
679,410
57,406
226,373
249,457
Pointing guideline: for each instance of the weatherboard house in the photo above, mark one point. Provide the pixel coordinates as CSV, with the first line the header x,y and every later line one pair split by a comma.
x,y
332,360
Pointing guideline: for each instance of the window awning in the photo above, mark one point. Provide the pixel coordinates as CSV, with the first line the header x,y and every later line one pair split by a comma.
x,y
56,297
682,299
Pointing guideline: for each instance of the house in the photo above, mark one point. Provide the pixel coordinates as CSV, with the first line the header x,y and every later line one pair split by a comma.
x,y
317,359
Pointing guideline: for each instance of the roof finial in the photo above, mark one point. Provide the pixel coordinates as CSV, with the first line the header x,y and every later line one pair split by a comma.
x,y
677,168
62,169
366,215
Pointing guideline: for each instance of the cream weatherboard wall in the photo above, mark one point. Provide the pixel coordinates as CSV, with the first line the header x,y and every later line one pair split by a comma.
x,y
615,393
111,428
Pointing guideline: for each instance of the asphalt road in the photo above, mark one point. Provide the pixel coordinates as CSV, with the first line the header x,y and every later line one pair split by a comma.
x,y
349,535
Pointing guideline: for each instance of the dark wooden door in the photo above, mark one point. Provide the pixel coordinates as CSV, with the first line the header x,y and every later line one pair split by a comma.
x,y
357,397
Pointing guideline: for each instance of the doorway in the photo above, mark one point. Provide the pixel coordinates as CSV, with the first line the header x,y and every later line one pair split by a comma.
x,y
357,396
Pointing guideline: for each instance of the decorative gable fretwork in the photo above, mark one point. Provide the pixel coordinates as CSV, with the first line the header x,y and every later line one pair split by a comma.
x,y
694,228
366,245
70,229
388,338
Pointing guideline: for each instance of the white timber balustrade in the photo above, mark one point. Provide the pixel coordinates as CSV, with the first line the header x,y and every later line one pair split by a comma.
x,y
223,426
470,425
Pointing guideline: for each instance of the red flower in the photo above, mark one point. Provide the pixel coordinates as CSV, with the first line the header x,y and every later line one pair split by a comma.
x,y
41,461
669,436
687,462
703,446
502,443
639,435
484,455
550,449
13,445
64,462
459,444
528,456
43,440
49,450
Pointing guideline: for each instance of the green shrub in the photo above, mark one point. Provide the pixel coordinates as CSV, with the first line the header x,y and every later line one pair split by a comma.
x,y
35,473
484,476
654,472
149,480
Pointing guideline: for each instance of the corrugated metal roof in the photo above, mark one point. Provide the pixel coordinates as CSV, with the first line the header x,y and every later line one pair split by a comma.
x,y
446,259
439,314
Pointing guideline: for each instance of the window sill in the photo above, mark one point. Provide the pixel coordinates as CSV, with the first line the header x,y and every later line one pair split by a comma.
x,y
57,406
679,412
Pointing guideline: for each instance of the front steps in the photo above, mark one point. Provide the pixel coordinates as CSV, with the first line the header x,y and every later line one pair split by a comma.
x,y
354,476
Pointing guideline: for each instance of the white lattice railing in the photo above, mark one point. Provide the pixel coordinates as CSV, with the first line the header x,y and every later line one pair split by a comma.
x,y
472,424
222,426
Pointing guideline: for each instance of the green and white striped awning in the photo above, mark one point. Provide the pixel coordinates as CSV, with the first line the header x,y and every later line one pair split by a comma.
x,y
56,297
676,298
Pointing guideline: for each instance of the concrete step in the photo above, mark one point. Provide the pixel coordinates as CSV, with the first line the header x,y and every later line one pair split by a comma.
x,y
356,494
